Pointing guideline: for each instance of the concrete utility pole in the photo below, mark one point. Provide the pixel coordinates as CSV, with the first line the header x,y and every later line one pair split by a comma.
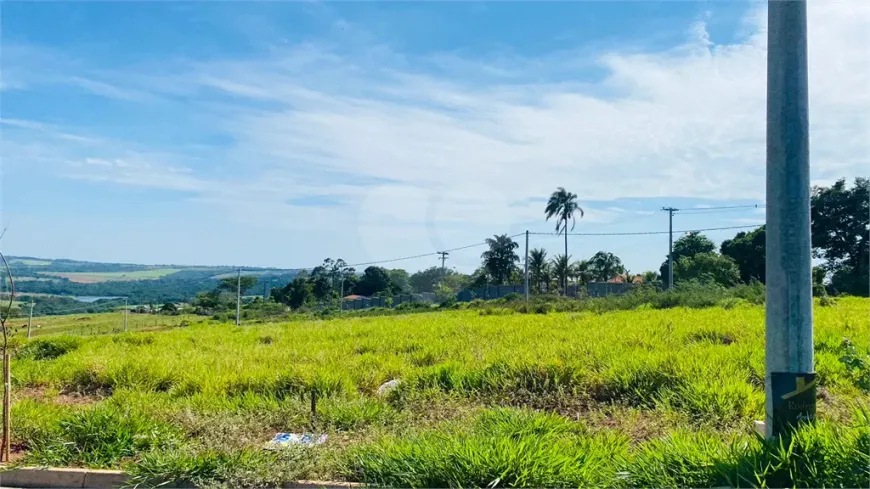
x,y
671,211
30,319
527,265
444,255
125,314
790,380
238,295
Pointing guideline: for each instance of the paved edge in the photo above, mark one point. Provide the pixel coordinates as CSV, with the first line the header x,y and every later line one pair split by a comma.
x,y
57,478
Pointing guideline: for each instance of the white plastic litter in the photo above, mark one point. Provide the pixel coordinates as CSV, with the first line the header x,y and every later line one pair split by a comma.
x,y
287,439
386,387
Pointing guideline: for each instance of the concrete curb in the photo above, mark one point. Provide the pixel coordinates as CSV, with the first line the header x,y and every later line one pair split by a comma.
x,y
63,478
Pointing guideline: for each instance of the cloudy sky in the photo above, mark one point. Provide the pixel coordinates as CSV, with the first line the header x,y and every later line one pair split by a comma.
x,y
277,134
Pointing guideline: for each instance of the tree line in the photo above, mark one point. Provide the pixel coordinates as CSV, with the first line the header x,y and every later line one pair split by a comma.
x,y
840,241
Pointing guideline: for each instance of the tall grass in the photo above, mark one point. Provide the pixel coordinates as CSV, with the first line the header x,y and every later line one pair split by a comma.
x,y
183,401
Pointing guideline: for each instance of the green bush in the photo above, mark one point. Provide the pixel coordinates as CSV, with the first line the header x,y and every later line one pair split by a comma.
x,y
48,349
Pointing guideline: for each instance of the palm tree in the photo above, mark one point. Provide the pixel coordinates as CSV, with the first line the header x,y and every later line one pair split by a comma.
x,y
500,260
561,265
538,266
605,265
563,205
580,270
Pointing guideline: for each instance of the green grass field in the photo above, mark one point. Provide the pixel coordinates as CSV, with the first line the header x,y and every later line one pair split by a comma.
x,y
94,324
30,263
95,277
640,398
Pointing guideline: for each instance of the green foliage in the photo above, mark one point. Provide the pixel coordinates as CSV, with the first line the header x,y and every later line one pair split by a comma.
x,y
231,284
295,294
604,265
688,246
100,437
49,348
426,280
169,308
375,281
707,267
840,227
505,449
562,205
747,250
615,396
539,269
218,468
500,260
400,281
561,267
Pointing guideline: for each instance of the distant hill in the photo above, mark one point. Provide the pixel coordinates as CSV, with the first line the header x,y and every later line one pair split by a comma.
x,y
140,283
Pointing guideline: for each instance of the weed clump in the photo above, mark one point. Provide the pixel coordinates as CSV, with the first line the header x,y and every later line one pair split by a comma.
x,y
100,437
49,348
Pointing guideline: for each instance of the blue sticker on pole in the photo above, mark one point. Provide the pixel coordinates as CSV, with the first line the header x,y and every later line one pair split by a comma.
x,y
794,400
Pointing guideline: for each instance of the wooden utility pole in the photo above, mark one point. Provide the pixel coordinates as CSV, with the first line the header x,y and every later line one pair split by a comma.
x,y
30,319
238,296
526,274
7,378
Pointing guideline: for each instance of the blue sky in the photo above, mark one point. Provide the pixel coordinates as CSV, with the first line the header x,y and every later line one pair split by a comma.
x,y
280,133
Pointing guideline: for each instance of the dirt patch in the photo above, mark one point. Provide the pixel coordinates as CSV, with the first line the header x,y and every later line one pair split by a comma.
x,y
45,394
36,393
17,452
79,399
637,424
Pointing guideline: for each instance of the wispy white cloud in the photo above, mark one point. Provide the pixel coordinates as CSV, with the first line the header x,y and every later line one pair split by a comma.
x,y
404,143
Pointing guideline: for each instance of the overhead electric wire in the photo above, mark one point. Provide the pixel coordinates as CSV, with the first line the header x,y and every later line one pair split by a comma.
x,y
724,207
644,233
423,255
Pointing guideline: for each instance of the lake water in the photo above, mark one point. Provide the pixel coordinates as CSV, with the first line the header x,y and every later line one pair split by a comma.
x,y
88,298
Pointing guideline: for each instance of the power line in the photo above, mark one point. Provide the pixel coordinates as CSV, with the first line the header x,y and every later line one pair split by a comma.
x,y
724,207
644,233
481,243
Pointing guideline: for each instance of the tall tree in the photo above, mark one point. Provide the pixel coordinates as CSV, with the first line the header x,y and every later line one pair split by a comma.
x,y
399,281
840,225
375,280
561,266
538,267
297,293
322,278
605,265
688,246
426,280
707,267
500,260
230,284
563,205
581,272
747,251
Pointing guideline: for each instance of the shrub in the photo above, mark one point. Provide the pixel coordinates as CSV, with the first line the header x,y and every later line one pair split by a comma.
x,y
49,349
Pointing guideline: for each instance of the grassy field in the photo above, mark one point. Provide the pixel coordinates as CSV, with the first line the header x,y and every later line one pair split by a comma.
x,y
639,398
30,262
95,324
95,277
